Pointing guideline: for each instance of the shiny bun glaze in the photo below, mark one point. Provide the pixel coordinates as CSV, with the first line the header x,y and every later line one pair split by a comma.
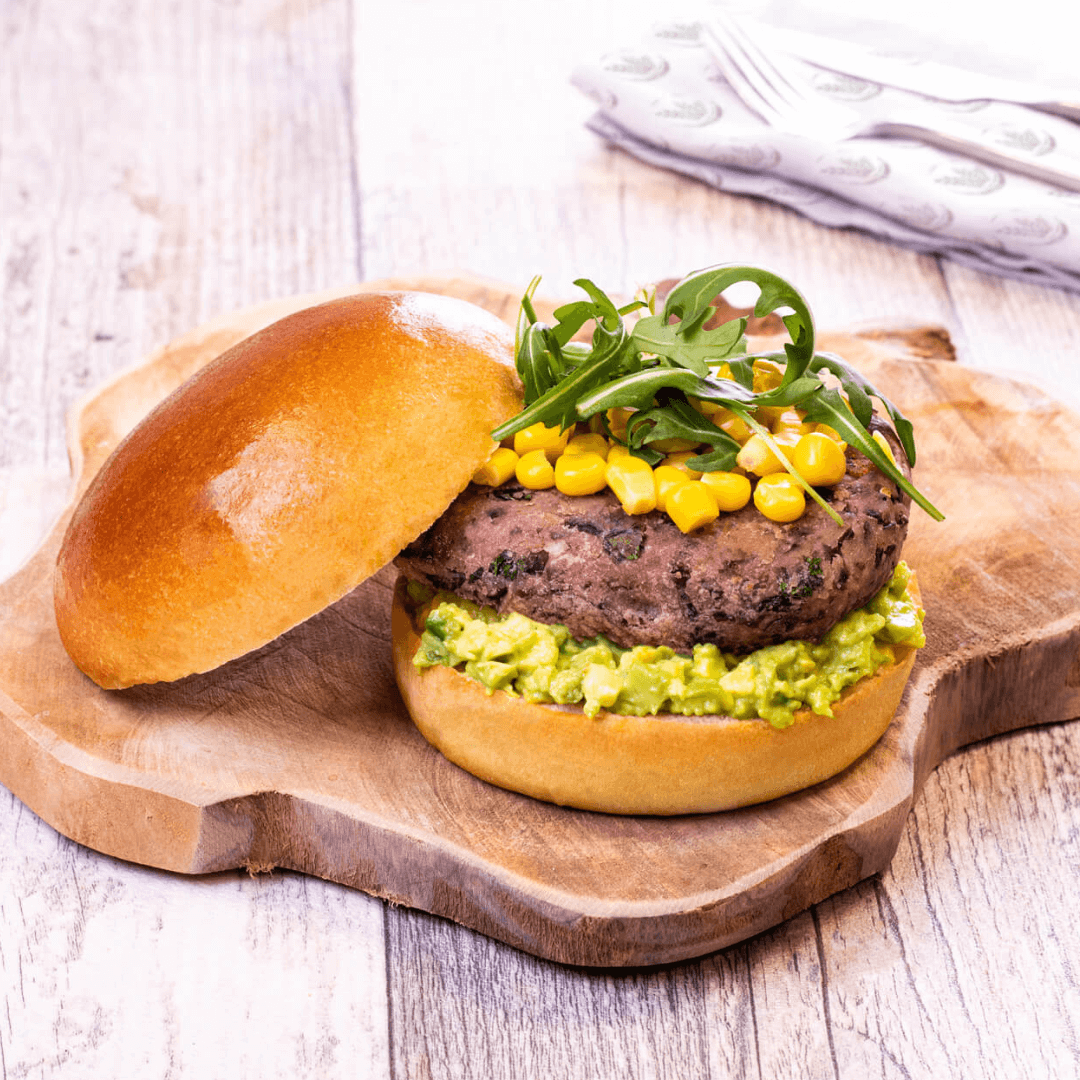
x,y
662,764
278,478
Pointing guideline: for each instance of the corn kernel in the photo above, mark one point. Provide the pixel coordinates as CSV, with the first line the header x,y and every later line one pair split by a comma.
x,y
734,425
691,505
757,457
706,408
819,460
587,444
497,469
767,375
632,481
667,477
541,437
534,471
779,497
730,490
787,439
884,444
580,474
792,420
767,415
831,432
679,460
617,419
618,451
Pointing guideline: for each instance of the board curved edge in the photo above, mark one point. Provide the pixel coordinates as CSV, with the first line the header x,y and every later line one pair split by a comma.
x,y
987,691
263,830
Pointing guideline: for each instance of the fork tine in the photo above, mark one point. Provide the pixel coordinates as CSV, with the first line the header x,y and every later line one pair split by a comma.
x,y
733,67
754,76
765,64
738,71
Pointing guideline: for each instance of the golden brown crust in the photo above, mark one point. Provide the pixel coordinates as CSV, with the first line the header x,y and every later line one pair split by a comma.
x,y
275,480
637,765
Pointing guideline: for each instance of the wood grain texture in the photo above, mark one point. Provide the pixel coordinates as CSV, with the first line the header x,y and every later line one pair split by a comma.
x,y
310,761
159,167
238,122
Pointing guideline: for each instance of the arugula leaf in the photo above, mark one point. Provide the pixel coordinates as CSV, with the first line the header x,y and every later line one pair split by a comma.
x,y
694,349
637,390
719,459
696,292
742,371
827,407
647,453
536,365
526,313
859,390
670,357
559,403
676,420
570,318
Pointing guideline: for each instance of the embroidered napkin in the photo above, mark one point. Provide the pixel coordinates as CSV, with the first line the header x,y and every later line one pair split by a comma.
x,y
665,101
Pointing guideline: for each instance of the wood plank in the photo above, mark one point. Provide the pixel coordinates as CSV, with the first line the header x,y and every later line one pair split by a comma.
x,y
159,167
468,1007
555,199
104,964
1019,330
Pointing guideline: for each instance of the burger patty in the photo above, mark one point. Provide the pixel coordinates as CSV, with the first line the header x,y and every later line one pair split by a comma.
x,y
740,583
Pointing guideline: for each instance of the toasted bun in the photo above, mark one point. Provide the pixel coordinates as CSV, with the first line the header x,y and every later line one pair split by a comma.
x,y
637,765
277,479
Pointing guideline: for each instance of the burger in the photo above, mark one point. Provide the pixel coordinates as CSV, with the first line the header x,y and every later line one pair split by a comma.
x,y
624,636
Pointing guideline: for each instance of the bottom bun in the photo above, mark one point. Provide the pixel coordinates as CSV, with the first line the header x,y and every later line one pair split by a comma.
x,y
664,764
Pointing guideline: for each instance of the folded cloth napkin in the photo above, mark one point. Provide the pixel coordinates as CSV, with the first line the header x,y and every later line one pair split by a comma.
x,y
666,102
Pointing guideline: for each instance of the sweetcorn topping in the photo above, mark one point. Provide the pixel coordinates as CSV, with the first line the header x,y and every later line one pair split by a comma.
x,y
731,490
632,481
534,471
819,459
666,478
497,469
583,461
779,497
580,473
590,443
540,437
692,505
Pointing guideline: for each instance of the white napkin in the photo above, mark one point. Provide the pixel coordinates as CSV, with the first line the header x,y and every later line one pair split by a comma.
x,y
665,101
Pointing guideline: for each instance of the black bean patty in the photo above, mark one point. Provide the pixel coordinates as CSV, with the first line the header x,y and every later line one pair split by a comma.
x,y
740,583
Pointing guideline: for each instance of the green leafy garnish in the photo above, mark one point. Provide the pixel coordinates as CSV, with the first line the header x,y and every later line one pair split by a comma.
x,y
670,357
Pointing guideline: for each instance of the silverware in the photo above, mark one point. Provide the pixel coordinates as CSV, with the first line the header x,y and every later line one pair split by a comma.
x,y
779,95
917,74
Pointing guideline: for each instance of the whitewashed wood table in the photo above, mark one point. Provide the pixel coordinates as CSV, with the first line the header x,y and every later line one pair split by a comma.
x,y
161,163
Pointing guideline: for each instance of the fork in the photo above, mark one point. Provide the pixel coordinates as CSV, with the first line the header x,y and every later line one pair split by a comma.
x,y
779,95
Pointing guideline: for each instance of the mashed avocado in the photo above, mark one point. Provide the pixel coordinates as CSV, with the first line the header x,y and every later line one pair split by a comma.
x,y
544,664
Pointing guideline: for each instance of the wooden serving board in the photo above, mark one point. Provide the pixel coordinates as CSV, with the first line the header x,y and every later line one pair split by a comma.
x,y
301,755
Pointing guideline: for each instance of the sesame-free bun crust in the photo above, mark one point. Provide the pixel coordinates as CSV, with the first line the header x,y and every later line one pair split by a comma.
x,y
661,764
278,478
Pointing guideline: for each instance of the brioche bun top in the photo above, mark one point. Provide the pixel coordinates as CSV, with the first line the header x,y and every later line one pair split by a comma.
x,y
278,478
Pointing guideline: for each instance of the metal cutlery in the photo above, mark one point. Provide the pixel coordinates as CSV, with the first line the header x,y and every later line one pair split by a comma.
x,y
774,89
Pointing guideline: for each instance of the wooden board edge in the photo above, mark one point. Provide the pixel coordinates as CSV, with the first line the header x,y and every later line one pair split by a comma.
x,y
247,831
1029,680
513,912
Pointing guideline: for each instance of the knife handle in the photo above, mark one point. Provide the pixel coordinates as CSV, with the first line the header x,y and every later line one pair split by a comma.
x,y
998,150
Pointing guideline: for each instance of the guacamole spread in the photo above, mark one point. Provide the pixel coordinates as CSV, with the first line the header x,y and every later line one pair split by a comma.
x,y
544,664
